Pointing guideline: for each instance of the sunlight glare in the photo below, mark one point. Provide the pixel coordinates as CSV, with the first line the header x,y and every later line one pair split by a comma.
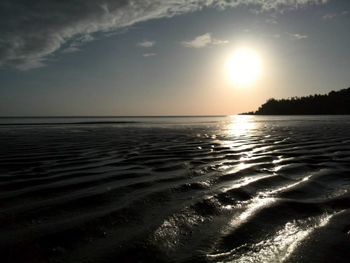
x,y
243,67
241,125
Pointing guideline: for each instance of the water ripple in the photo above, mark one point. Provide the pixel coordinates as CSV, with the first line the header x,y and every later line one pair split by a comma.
x,y
242,189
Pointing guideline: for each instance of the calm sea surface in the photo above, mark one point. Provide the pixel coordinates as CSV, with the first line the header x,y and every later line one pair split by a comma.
x,y
175,189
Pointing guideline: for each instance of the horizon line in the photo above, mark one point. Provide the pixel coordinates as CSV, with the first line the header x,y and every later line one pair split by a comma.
x,y
119,116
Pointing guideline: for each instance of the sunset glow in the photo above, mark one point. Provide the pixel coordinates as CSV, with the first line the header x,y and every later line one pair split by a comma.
x,y
243,67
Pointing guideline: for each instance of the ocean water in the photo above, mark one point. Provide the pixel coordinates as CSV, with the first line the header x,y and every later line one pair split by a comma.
x,y
194,189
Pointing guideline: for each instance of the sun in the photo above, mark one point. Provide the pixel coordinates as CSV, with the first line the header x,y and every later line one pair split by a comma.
x,y
243,67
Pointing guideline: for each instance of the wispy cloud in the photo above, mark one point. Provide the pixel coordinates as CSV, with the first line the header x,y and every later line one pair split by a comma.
x,y
203,41
298,36
75,45
147,55
271,21
146,44
331,16
32,32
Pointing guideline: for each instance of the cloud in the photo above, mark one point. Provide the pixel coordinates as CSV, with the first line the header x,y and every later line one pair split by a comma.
x,y
331,16
146,55
203,41
75,45
31,32
146,44
299,36
271,21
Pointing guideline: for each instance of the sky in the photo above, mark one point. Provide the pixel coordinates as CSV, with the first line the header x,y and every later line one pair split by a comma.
x,y
144,57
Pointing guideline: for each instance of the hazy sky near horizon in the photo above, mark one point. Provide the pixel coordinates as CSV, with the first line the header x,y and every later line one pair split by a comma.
x,y
94,57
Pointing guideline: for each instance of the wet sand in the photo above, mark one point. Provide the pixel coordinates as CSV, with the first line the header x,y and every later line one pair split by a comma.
x,y
240,189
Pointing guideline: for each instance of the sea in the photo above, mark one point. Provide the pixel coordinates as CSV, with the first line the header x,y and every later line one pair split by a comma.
x,y
175,189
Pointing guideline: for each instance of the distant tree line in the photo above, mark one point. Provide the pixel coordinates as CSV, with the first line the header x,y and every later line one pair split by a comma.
x,y
335,102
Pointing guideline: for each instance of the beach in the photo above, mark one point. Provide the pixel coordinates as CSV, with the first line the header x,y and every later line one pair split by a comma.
x,y
210,189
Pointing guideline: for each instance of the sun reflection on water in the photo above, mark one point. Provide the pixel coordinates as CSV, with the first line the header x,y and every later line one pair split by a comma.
x,y
241,125
278,247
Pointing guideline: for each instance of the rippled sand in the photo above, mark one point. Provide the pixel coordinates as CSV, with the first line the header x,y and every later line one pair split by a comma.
x,y
239,189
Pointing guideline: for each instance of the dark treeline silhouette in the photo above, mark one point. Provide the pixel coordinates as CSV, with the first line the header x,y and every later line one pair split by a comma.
x,y
335,102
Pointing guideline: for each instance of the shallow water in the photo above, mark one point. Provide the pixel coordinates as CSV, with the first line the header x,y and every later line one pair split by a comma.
x,y
225,189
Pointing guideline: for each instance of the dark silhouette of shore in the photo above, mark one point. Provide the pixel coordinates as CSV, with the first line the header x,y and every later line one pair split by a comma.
x,y
333,103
